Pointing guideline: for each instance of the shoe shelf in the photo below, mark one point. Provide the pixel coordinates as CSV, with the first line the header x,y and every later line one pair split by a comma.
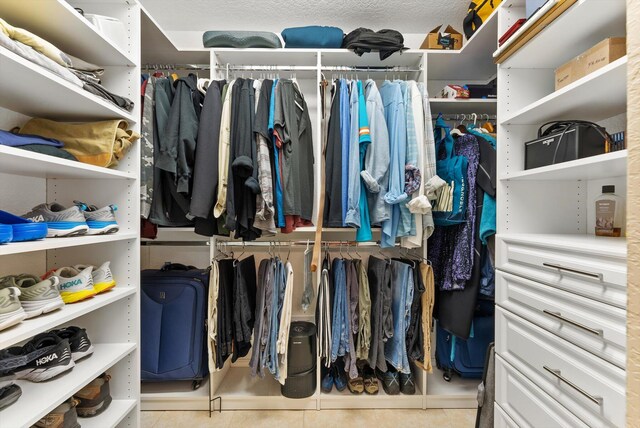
x,y
346,400
54,98
117,411
29,328
40,398
59,23
55,243
30,164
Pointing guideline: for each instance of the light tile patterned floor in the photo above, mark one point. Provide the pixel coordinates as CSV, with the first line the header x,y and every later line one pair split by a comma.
x,y
433,418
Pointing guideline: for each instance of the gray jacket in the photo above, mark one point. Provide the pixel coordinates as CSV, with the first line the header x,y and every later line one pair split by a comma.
x,y
376,161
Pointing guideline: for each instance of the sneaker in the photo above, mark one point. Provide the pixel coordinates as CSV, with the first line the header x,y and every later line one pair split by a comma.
x,y
63,416
327,381
47,356
79,342
407,386
20,229
36,296
370,380
390,380
340,378
101,221
9,395
102,276
61,221
74,285
94,398
11,312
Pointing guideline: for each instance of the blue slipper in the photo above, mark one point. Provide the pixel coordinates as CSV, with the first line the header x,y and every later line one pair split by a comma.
x,y
6,233
23,229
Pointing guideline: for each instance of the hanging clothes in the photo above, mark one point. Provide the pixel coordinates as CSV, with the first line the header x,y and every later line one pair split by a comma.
x,y
224,150
395,349
264,219
364,231
345,134
423,205
406,224
332,215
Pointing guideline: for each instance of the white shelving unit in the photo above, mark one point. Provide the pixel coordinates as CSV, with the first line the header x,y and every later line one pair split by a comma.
x,y
112,318
545,245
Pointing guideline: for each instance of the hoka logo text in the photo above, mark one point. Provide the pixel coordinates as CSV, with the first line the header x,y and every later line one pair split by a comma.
x,y
70,284
37,218
45,360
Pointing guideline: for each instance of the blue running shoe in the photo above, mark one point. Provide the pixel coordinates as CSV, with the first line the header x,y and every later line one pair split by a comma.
x,y
61,221
101,221
6,233
21,229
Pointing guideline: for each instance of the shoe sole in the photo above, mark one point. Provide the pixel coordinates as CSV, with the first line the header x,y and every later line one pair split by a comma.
x,y
101,287
89,412
11,398
78,230
35,308
77,356
12,318
112,228
41,375
76,296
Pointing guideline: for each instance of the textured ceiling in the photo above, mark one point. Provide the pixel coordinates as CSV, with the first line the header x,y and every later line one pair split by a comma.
x,y
407,16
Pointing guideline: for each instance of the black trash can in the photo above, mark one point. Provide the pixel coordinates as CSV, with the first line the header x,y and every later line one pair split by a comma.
x,y
301,364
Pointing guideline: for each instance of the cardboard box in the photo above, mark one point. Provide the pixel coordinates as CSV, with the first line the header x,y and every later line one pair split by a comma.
x,y
593,59
449,39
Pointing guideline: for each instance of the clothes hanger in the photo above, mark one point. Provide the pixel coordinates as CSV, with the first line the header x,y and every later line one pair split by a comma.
x,y
488,126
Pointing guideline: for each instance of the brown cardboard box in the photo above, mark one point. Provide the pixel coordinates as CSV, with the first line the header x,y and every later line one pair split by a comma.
x,y
593,59
437,40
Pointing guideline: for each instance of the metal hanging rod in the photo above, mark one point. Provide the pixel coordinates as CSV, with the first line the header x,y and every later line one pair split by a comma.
x,y
465,116
301,243
229,67
172,67
366,68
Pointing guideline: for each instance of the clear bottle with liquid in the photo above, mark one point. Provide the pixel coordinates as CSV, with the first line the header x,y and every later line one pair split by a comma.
x,y
610,213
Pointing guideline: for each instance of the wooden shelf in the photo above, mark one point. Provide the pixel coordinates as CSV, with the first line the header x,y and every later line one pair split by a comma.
x,y
464,106
29,164
599,95
28,328
570,34
38,399
54,243
58,22
592,168
35,91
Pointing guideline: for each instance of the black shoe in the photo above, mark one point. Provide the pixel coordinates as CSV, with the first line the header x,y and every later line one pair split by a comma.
x,y
407,386
339,377
63,416
390,380
9,395
79,342
94,398
47,356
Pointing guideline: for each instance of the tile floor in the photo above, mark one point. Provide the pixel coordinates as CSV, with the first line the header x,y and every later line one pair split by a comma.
x,y
433,418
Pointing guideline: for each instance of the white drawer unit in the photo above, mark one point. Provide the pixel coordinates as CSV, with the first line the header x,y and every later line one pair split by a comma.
x,y
586,385
501,419
593,267
525,404
597,327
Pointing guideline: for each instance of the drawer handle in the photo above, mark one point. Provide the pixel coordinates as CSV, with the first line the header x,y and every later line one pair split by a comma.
x,y
557,373
559,316
568,269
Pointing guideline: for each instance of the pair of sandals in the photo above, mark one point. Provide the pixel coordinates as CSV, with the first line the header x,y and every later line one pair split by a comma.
x,y
365,382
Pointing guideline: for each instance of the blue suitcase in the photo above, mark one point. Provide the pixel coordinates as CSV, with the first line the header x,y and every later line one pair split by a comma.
x,y
465,357
173,307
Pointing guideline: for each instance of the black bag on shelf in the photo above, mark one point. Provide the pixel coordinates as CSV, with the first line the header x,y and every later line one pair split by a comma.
x,y
363,40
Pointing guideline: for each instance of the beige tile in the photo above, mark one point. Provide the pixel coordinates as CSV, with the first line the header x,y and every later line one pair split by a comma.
x,y
266,418
149,419
437,418
461,418
183,419
346,417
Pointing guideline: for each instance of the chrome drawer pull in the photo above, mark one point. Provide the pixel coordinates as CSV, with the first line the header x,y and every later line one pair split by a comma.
x,y
559,316
580,272
557,373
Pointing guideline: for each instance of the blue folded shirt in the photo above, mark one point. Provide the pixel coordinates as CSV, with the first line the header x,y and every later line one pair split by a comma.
x,y
15,140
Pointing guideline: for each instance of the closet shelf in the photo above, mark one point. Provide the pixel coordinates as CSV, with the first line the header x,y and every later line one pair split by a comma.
x,y
599,246
455,394
29,164
55,243
117,411
608,165
464,106
570,34
473,62
35,91
178,395
38,399
31,327
599,95
340,57
346,400
58,22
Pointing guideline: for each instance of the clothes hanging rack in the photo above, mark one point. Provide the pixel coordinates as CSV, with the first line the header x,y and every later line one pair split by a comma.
x,y
175,67
301,243
457,117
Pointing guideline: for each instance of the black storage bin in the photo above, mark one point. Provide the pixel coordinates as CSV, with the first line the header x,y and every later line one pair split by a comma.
x,y
489,90
301,364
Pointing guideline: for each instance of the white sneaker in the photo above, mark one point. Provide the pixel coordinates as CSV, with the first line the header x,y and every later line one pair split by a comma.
x,y
102,276
74,285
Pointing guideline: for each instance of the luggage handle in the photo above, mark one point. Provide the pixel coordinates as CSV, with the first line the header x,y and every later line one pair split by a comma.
x,y
558,374
176,266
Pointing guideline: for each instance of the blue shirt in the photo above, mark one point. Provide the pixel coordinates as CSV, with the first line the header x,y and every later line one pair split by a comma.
x,y
345,130
364,231
278,190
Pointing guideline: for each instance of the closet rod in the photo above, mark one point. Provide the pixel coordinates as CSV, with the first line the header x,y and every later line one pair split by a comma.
x,y
467,116
366,68
175,243
170,67
301,243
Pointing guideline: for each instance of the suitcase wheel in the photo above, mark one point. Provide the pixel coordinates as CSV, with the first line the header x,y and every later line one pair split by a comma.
x,y
196,384
447,376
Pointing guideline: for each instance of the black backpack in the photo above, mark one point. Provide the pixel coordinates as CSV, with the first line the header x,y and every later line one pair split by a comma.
x,y
362,40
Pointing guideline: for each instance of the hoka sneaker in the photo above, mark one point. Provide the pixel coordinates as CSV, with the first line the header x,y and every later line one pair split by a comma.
x,y
63,416
101,221
74,285
102,277
79,342
61,221
11,312
94,398
47,356
36,296
9,395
